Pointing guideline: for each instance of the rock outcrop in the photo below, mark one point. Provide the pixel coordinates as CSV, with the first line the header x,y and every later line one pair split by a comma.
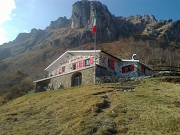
x,y
82,17
141,20
80,14
22,36
61,22
33,34
172,32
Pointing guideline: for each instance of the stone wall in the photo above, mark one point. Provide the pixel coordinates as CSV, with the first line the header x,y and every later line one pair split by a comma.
x,y
66,79
103,61
101,71
137,70
104,76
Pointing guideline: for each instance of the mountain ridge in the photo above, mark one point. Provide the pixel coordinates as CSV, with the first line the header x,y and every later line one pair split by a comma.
x,y
110,26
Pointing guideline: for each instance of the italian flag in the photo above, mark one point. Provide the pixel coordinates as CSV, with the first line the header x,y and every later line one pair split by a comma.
x,y
94,25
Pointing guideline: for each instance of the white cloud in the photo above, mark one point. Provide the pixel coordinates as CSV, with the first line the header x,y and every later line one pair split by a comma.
x,y
3,38
25,31
6,7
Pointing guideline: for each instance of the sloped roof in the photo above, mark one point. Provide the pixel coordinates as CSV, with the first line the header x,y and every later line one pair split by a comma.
x,y
137,61
71,52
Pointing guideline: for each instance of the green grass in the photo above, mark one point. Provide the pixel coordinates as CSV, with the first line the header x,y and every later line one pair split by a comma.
x,y
153,108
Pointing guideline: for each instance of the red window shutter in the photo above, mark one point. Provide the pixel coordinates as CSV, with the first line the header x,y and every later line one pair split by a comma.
x,y
82,63
143,69
60,70
132,67
123,69
76,65
79,64
91,60
112,64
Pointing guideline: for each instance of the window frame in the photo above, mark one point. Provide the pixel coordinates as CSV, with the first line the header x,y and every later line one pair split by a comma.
x,y
127,68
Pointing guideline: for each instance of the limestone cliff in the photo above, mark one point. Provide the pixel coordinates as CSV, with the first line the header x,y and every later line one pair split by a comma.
x,y
80,14
82,17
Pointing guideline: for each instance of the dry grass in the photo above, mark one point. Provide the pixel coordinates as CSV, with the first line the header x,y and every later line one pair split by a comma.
x,y
153,108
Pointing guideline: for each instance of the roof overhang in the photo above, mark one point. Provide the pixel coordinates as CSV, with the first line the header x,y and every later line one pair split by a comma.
x,y
70,52
137,61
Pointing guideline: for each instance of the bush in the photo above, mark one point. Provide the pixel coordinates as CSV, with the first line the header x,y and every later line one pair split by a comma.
x,y
19,89
26,85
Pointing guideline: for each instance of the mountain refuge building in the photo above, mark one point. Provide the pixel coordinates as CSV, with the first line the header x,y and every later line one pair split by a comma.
x,y
81,67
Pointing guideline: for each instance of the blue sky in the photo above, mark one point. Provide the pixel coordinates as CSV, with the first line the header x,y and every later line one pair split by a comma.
x,y
17,16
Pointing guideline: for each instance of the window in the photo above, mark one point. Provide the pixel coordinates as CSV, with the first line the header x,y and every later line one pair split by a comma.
x,y
128,68
77,65
62,70
73,66
87,62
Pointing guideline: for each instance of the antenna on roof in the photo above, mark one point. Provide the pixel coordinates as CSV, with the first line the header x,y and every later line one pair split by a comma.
x,y
133,56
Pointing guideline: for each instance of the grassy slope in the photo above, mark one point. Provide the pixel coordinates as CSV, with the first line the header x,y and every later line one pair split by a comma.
x,y
153,108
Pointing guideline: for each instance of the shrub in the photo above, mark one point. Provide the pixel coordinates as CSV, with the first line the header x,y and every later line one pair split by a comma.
x,y
26,85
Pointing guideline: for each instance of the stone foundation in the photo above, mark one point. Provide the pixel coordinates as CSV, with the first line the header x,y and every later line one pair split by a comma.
x,y
64,81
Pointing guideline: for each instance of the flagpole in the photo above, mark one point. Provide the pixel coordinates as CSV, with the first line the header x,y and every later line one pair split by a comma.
x,y
94,33
95,58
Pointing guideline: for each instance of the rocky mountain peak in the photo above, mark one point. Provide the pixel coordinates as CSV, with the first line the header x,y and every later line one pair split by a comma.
x,y
82,17
143,20
80,14
61,22
22,36
35,33
149,18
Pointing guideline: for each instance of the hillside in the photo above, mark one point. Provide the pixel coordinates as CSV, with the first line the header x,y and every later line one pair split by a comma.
x,y
156,42
153,108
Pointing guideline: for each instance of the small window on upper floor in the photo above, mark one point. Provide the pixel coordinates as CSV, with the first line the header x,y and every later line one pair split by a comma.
x,y
87,62
62,69
73,67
